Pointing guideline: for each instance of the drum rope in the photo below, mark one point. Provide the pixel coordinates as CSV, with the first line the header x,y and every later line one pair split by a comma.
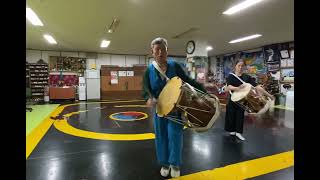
x,y
187,107
201,97
179,121
189,114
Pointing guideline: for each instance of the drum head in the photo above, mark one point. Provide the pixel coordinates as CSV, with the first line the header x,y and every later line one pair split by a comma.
x,y
238,95
169,96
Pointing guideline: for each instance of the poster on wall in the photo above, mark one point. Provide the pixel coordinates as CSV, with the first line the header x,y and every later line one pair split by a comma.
x,y
283,63
130,73
201,75
114,77
290,62
228,63
122,73
254,62
287,75
273,67
284,54
275,75
271,53
292,54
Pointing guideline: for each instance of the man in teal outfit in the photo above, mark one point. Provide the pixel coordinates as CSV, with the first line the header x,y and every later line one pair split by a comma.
x,y
169,137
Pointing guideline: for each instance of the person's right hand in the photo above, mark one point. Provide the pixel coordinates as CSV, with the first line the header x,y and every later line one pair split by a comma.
x,y
150,102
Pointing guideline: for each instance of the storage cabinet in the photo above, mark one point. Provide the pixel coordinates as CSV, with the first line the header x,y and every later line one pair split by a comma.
x,y
128,87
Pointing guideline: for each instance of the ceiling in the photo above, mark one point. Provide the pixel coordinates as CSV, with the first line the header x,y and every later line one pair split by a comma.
x,y
80,25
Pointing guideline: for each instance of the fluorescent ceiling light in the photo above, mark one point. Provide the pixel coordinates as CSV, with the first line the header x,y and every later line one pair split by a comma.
x,y
50,39
113,25
245,38
240,6
33,18
209,48
104,43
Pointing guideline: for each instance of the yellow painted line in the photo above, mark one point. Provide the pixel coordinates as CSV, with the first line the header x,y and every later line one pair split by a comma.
x,y
73,113
246,169
64,126
103,102
283,107
145,116
34,137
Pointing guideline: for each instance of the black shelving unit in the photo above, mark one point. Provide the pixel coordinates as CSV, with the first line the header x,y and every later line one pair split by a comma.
x,y
27,75
39,78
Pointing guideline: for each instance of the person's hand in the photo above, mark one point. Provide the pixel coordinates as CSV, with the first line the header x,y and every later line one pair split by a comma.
x,y
150,102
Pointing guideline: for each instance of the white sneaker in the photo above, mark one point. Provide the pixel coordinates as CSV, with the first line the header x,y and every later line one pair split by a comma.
x,y
164,171
175,172
233,133
240,136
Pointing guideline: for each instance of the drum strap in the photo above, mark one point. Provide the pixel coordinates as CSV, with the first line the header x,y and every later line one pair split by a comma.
x,y
155,64
237,78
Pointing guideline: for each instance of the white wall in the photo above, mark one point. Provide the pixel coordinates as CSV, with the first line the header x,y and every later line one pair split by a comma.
x,y
32,56
200,49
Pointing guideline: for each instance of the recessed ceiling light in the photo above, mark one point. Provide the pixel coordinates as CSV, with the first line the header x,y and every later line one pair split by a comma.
x,y
209,48
241,6
50,39
33,18
104,43
245,38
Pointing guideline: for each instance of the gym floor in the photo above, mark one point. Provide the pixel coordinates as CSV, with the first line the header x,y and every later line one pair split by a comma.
x,y
115,140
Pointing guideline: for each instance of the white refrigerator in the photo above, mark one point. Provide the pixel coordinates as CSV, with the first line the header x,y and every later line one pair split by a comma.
x,y
82,89
93,84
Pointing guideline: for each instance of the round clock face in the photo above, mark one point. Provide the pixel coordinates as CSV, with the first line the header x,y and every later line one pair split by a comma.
x,y
190,47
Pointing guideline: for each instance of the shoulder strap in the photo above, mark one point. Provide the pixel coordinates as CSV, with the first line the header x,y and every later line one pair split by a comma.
x,y
237,78
155,64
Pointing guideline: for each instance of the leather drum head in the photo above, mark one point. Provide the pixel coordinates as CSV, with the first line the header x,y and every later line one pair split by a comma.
x,y
239,95
169,96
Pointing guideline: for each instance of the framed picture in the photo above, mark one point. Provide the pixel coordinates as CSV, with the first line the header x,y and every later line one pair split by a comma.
x,y
290,62
122,73
284,54
283,62
287,75
292,53
273,67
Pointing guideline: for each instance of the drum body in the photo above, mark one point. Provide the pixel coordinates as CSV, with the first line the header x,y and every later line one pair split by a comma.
x,y
199,110
250,100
